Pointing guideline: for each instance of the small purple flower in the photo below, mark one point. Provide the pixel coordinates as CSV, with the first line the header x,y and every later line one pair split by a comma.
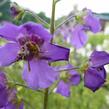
x,y
95,75
31,42
8,99
79,37
72,78
63,88
15,9
92,22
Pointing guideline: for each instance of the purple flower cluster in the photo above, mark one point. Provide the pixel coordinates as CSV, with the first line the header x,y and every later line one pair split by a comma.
x,y
31,42
8,98
76,35
95,75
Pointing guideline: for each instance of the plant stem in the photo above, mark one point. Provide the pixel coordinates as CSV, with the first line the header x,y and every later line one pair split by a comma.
x,y
40,20
52,29
65,21
52,25
46,98
68,69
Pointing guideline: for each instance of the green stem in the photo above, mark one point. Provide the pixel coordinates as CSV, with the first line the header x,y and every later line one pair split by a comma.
x,y
21,85
65,21
46,98
40,20
52,29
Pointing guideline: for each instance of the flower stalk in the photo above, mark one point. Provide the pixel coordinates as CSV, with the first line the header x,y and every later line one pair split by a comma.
x,y
46,98
52,29
52,25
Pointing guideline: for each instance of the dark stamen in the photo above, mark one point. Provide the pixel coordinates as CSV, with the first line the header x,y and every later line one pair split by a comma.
x,y
29,68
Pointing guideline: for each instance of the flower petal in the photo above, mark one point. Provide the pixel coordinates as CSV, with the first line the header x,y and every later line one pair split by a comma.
x,y
75,78
3,97
40,76
79,38
9,31
63,89
99,58
54,52
37,29
94,78
74,75
8,54
3,80
92,21
14,106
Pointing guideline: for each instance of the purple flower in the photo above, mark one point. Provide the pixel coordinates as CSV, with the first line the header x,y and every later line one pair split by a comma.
x,y
8,98
92,22
31,42
79,37
95,75
63,88
94,78
76,33
71,78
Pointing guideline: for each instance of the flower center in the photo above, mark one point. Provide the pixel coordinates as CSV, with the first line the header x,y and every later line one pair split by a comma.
x,y
29,50
66,76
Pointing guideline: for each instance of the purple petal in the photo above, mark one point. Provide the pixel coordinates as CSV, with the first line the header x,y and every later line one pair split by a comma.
x,y
10,106
37,29
40,76
99,58
8,54
21,106
79,38
3,97
3,80
94,78
74,75
75,78
13,106
54,52
92,22
63,89
9,31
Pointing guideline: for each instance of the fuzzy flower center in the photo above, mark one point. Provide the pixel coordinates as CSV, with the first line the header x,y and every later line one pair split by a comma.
x,y
30,47
29,50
